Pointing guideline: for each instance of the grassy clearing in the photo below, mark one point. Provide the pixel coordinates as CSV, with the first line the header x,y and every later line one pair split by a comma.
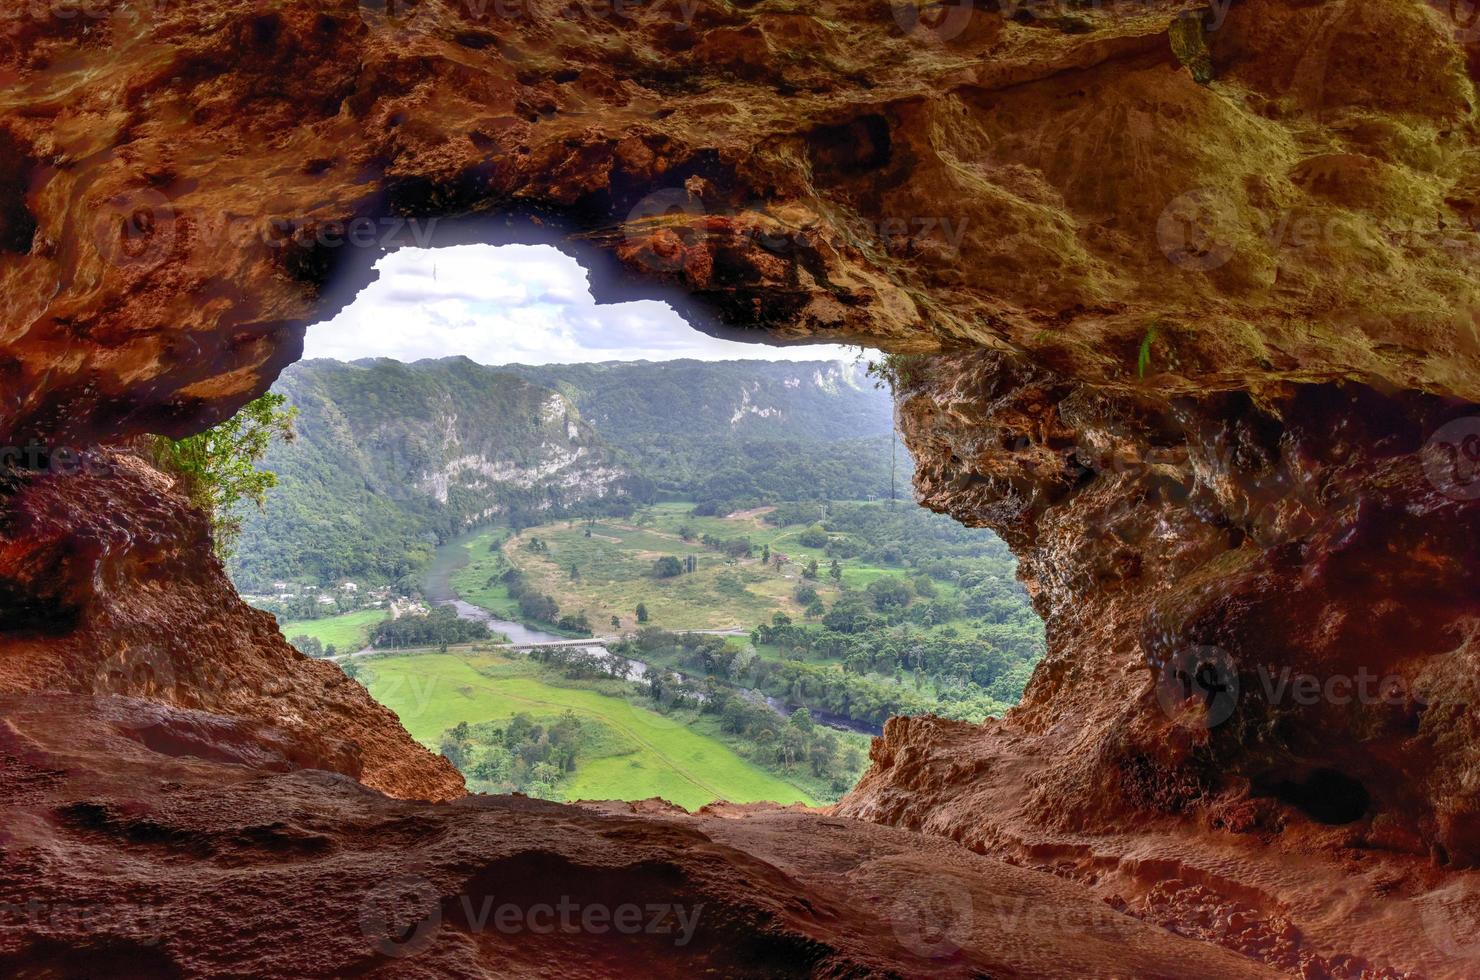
x,y
614,569
643,753
347,632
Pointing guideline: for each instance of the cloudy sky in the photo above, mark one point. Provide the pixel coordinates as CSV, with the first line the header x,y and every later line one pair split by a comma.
x,y
515,304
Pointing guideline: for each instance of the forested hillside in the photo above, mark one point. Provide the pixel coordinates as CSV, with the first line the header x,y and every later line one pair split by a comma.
x,y
736,434
810,401
393,458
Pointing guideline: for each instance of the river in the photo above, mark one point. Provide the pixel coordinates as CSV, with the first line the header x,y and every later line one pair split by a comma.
x,y
438,589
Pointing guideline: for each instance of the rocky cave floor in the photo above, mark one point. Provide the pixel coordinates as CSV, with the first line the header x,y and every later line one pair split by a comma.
x,y
1202,346
142,840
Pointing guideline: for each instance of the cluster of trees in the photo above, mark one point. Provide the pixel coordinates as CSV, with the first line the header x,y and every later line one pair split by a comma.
x,y
787,744
577,663
670,566
813,537
312,646
711,665
792,512
806,596
439,628
518,756
984,671
729,547
540,607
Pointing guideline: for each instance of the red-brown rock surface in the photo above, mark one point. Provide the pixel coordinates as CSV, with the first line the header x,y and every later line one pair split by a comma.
x,y
1205,355
108,585
123,855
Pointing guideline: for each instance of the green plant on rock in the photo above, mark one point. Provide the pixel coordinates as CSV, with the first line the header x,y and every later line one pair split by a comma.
x,y
218,467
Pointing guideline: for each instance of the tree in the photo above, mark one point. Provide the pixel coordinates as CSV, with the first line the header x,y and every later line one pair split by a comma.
x,y
331,650
309,646
575,573
765,554
890,593
850,614
642,613
804,594
667,567
616,622
813,537
835,571
810,571
218,467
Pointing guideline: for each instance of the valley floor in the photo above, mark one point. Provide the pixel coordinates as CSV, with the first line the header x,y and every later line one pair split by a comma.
x,y
743,571
637,754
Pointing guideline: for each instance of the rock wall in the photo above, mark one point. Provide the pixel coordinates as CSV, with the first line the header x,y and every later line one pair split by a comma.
x,y
1257,612
108,585
1187,304
188,184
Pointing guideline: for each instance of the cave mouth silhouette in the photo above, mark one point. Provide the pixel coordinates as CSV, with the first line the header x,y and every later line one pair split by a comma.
x,y
1325,796
608,289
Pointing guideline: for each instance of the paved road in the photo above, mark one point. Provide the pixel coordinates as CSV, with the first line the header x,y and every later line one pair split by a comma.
x,y
590,641
601,641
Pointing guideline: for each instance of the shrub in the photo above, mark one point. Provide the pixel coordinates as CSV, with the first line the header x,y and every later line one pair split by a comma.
x,y
667,567
813,537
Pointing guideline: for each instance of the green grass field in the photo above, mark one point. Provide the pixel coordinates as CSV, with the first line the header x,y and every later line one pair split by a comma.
x,y
347,632
649,754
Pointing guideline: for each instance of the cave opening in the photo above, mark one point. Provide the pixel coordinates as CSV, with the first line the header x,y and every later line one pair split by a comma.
x,y
502,442
1325,796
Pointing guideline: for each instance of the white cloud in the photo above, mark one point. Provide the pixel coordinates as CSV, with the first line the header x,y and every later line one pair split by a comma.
x,y
515,304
